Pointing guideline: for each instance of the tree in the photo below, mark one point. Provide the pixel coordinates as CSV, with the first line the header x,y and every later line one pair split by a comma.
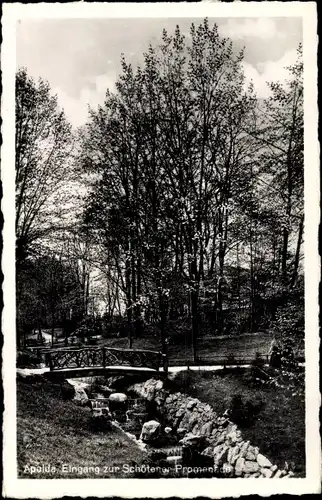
x,y
169,149
281,134
48,292
43,151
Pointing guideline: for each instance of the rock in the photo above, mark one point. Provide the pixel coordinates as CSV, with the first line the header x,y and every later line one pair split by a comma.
x,y
118,397
239,467
192,441
107,391
243,449
233,454
159,400
189,420
26,439
251,467
250,456
223,421
253,449
263,462
227,469
150,431
196,429
278,474
217,449
232,437
206,429
80,395
231,427
180,412
191,404
274,468
220,458
168,400
208,452
266,472
221,438
174,460
168,430
159,385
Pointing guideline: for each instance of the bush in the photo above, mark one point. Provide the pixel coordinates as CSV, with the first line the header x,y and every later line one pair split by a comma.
x,y
288,327
179,331
182,381
258,361
244,412
115,325
27,359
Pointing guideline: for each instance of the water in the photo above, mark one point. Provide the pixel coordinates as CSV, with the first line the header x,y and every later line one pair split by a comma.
x,y
130,418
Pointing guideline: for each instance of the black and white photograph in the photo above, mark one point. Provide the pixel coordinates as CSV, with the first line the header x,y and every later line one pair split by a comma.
x,y
160,262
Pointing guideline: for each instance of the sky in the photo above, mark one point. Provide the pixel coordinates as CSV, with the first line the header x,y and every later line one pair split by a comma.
x,y
80,58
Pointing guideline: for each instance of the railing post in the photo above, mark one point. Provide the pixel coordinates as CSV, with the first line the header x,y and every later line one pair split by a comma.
x,y
50,362
104,357
165,364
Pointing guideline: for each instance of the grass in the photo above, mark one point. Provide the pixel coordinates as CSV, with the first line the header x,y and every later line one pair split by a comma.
x,y
279,428
54,432
215,349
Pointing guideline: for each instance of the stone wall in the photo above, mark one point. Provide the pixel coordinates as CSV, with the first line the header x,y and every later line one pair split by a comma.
x,y
219,438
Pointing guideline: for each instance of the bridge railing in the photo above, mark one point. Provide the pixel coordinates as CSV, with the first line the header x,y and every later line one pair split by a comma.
x,y
59,359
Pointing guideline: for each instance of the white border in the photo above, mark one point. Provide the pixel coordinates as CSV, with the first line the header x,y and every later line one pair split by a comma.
x,y
185,488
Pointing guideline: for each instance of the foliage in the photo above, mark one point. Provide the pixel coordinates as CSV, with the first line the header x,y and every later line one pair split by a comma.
x,y
43,147
193,205
289,324
27,359
244,411
279,428
47,290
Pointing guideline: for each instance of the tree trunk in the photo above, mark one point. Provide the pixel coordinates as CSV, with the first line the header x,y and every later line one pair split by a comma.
x,y
238,287
251,312
194,322
52,326
137,309
297,253
128,299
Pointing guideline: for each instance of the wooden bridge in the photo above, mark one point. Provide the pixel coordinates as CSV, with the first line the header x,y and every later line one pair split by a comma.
x,y
85,361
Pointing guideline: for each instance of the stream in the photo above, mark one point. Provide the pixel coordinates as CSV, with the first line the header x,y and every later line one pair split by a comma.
x,y
129,417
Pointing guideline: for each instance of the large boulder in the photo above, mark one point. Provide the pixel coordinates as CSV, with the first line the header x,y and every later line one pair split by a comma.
x,y
118,405
151,431
74,390
263,461
80,396
118,398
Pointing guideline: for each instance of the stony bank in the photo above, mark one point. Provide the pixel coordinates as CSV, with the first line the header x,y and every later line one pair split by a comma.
x,y
207,434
